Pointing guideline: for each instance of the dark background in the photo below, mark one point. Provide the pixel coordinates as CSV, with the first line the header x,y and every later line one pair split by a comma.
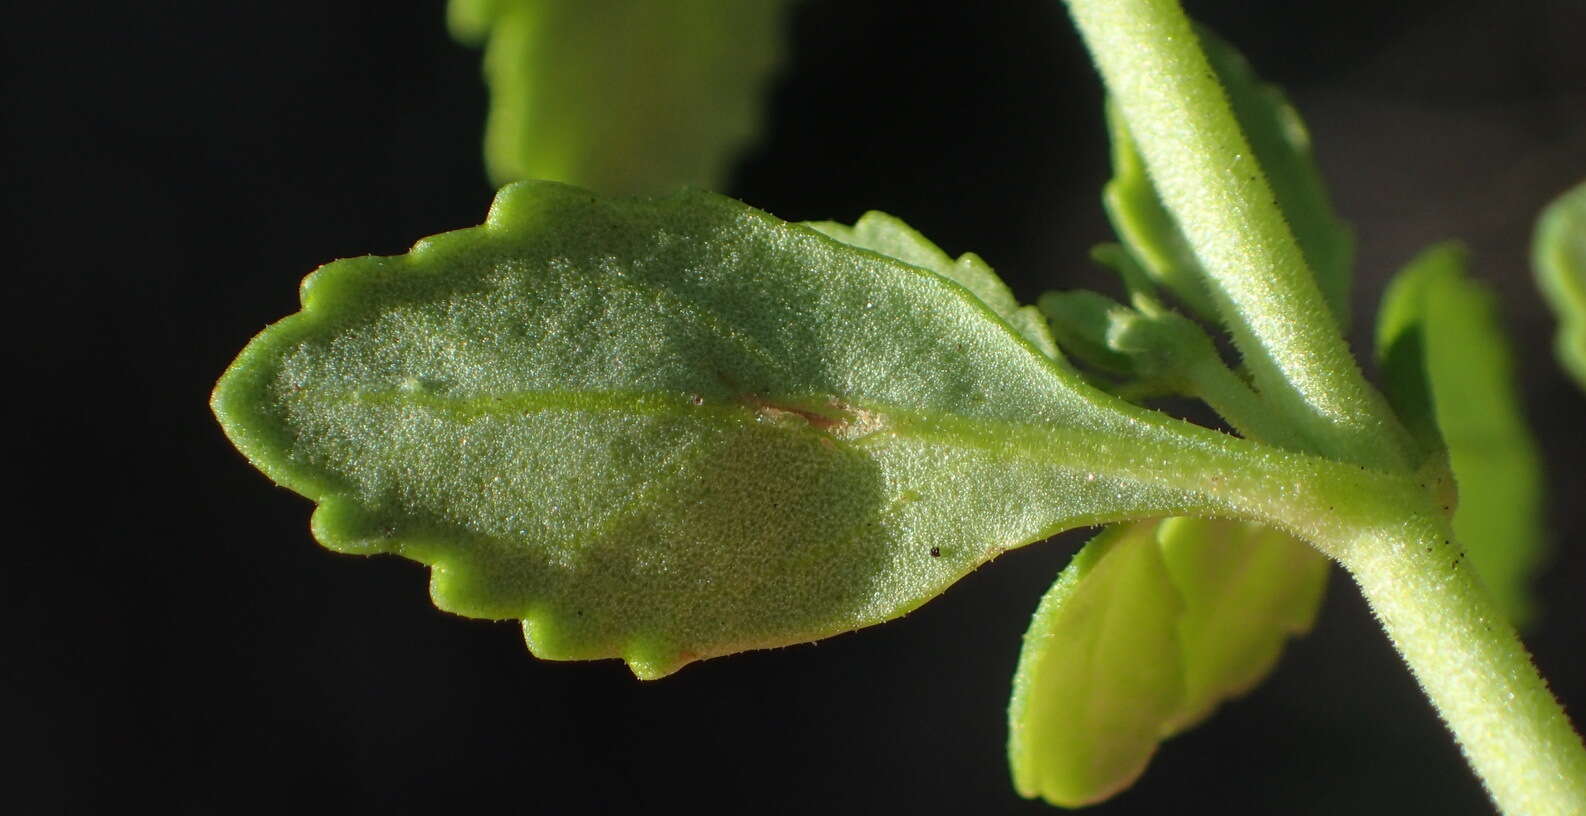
x,y
173,637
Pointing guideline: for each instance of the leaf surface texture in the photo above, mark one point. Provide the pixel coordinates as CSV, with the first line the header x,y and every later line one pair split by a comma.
x,y
670,429
889,236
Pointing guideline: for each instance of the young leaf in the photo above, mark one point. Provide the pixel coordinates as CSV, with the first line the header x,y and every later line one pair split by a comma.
x,y
1145,227
1247,588
1282,148
1100,672
1155,351
1149,628
889,236
1136,282
1082,322
670,429
1153,344
622,95
1559,255
1450,372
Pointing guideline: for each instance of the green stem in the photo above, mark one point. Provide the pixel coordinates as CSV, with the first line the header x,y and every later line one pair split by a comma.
x,y
1213,383
1471,664
1152,63
1465,656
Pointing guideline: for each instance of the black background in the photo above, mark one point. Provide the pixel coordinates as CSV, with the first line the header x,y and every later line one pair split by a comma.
x,y
173,637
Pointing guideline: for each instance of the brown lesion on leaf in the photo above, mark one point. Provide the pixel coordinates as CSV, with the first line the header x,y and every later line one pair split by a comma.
x,y
835,418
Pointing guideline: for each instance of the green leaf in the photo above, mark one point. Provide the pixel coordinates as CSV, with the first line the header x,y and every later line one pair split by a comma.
x,y
1099,673
1148,231
622,95
1559,255
1153,344
889,236
1450,373
670,429
1149,628
1282,147
1135,280
1402,338
1247,588
1083,323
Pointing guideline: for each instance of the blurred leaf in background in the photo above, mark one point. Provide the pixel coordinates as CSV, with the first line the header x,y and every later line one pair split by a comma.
x,y
1559,254
622,96
1449,372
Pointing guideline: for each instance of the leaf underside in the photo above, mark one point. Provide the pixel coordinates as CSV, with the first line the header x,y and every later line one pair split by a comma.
x,y
889,236
1559,256
669,429
1449,371
1150,627
622,96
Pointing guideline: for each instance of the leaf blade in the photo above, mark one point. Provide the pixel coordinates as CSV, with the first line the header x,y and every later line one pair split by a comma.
x,y
1452,373
1084,730
1247,589
890,236
670,429
1559,259
620,95
1211,604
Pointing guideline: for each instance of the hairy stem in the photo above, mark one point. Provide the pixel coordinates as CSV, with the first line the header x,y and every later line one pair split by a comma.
x,y
1220,388
1207,175
1471,664
1465,656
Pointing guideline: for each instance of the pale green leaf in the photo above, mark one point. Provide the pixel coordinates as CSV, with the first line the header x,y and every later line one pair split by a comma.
x,y
1152,344
1247,588
1150,628
1401,356
1082,321
1450,372
1145,227
622,95
1282,147
889,236
670,429
1559,255
1099,674
1135,280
